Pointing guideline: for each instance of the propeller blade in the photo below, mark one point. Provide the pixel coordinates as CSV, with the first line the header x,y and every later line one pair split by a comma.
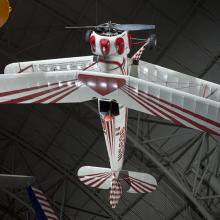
x,y
80,27
133,27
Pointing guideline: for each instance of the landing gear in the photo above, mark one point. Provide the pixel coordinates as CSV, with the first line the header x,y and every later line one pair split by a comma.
x,y
109,109
152,41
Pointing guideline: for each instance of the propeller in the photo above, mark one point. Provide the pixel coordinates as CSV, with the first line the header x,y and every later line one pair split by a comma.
x,y
120,27
133,27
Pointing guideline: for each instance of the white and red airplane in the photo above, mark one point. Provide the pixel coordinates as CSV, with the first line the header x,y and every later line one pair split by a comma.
x,y
118,83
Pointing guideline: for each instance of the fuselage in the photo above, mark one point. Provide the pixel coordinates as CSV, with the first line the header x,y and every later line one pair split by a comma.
x,y
111,50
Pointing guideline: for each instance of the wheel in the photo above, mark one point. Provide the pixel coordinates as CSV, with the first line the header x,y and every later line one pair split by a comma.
x,y
153,41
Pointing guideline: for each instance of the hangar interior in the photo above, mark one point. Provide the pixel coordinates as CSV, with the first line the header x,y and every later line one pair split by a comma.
x,y
51,142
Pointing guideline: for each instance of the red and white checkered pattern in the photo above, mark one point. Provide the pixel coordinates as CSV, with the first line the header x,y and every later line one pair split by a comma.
x,y
115,192
138,54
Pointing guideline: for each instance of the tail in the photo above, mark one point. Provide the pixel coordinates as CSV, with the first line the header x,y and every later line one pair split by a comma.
x,y
41,205
105,178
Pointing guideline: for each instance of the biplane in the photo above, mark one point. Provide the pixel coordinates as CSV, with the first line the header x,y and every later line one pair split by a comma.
x,y
118,83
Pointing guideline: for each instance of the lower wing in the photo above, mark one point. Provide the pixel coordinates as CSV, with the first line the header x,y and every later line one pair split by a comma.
x,y
78,86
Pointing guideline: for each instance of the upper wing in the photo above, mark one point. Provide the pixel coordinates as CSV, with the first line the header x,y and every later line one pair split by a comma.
x,y
173,104
181,107
49,87
63,64
179,81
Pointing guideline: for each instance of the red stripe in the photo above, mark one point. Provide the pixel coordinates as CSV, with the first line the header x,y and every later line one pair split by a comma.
x,y
63,96
109,133
92,177
40,196
138,183
45,203
95,174
12,92
111,129
27,67
88,178
47,211
51,216
132,96
182,109
90,66
141,188
100,183
155,108
95,181
137,98
112,135
144,186
32,96
137,180
53,95
199,126
120,65
108,136
133,187
41,199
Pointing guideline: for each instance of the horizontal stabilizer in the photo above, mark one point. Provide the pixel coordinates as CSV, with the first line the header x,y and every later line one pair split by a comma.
x,y
136,182
132,182
15,181
95,176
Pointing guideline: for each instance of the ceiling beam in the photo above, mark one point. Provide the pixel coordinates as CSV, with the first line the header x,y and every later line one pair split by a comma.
x,y
170,176
83,210
60,169
179,29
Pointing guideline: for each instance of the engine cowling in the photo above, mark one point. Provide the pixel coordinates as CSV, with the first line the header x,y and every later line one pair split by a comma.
x,y
109,45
